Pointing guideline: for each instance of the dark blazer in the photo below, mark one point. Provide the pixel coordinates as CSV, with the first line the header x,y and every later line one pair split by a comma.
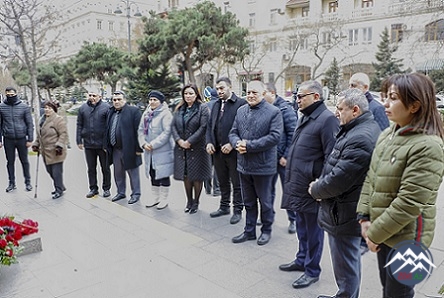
x,y
312,143
343,176
195,161
261,127
128,125
91,125
230,110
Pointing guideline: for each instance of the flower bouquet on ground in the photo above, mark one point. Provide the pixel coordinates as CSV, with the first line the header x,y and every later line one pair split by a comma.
x,y
11,232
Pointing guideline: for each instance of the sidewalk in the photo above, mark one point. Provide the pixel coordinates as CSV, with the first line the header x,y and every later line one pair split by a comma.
x,y
96,248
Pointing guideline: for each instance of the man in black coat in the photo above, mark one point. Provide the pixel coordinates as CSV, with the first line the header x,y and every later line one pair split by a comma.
x,y
224,157
123,146
16,133
312,143
91,137
339,187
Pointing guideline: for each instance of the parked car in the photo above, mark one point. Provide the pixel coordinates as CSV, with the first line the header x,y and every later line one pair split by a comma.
x,y
440,101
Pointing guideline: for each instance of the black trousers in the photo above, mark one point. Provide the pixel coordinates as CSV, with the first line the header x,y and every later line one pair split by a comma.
x,y
56,173
10,146
91,156
226,170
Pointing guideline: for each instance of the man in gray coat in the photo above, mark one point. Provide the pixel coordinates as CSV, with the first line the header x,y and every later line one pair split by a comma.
x,y
16,133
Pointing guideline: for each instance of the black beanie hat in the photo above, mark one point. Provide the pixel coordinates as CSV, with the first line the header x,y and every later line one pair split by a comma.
x,y
157,94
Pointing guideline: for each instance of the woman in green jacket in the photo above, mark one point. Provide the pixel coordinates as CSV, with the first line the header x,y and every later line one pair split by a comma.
x,y
397,202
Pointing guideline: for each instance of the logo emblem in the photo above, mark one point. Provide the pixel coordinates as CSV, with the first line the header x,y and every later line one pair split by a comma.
x,y
410,262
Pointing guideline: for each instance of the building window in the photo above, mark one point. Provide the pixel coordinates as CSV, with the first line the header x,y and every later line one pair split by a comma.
x,y
352,37
303,43
326,37
293,43
396,33
272,46
99,25
367,35
271,77
305,11
111,26
367,3
273,14
434,31
252,20
173,3
332,6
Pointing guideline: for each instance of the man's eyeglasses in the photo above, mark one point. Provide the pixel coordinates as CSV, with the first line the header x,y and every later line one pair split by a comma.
x,y
300,96
117,99
92,95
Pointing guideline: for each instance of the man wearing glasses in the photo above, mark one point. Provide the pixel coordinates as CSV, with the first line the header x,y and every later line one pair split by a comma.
x,y
312,143
123,146
91,133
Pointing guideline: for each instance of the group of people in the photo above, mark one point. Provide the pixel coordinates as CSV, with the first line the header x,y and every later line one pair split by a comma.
x,y
350,174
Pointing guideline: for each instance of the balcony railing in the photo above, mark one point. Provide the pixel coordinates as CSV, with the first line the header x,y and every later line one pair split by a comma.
x,y
296,3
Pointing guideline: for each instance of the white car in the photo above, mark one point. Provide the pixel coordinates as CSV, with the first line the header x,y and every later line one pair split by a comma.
x,y
440,101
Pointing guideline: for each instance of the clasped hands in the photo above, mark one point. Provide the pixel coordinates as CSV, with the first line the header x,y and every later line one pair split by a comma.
x,y
225,149
241,146
184,144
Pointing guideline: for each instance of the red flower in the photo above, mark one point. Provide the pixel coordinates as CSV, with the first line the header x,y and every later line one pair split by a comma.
x,y
9,252
3,243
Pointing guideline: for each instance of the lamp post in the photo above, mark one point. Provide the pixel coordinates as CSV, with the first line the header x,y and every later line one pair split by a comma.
x,y
128,4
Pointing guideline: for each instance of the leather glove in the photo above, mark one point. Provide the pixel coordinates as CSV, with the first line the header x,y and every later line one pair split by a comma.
x,y
59,150
35,149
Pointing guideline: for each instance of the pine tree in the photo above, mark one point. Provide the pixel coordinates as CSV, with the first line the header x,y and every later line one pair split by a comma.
x,y
387,64
332,78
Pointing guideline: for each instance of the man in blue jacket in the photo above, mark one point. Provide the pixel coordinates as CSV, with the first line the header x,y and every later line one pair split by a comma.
x,y
91,137
339,187
255,134
290,119
312,143
16,133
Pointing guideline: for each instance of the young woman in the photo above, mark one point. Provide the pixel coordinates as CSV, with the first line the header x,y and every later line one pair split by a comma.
x,y
191,161
398,198
155,139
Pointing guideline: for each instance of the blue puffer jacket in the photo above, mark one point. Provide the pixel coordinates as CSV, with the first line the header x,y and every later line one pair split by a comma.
x,y
261,127
16,120
290,119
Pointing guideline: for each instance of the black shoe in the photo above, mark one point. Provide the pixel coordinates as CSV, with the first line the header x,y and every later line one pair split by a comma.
x,y
92,193
10,187
263,239
53,192
194,208
133,199
291,267
219,212
28,187
292,227
106,193
242,238
326,296
118,197
304,281
237,216
188,207
57,195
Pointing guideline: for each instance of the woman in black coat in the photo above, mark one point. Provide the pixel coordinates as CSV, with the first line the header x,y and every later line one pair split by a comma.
x,y
191,161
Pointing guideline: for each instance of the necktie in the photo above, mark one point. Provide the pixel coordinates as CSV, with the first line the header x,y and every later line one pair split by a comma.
x,y
222,106
112,136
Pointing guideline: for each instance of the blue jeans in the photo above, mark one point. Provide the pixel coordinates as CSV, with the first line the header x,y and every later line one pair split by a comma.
x,y
391,288
346,260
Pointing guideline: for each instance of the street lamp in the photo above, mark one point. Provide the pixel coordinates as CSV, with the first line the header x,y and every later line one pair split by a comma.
x,y
128,4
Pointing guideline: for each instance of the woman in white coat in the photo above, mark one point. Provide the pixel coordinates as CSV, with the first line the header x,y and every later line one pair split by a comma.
x,y
155,139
